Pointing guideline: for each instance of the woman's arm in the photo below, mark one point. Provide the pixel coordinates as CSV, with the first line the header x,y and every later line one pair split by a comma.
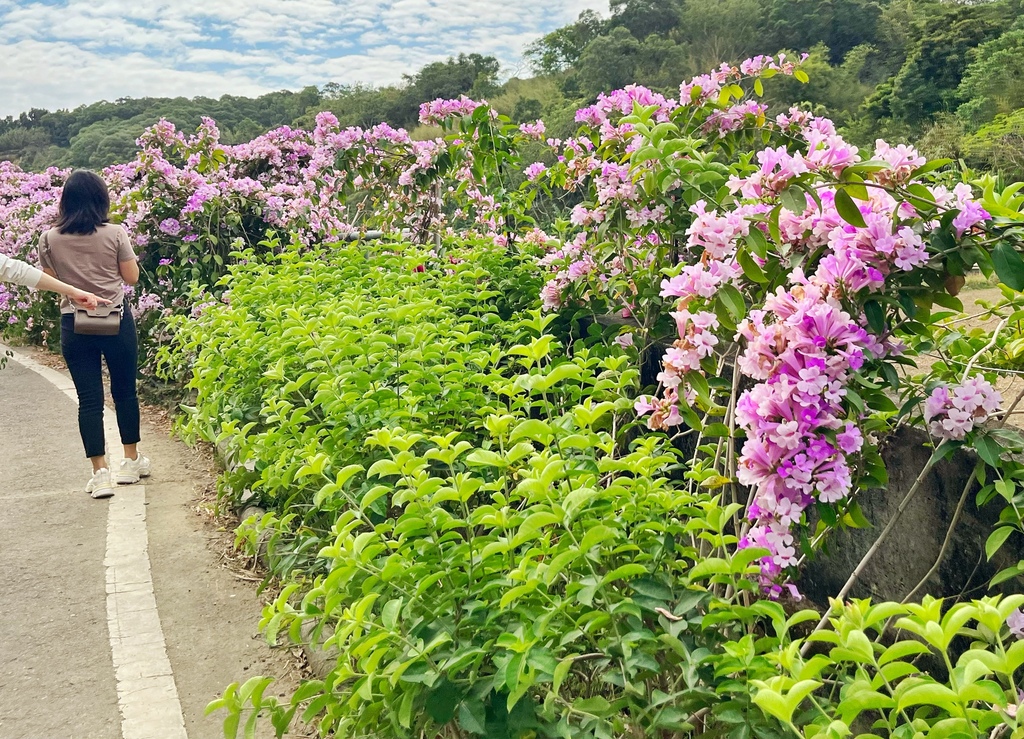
x,y
82,297
127,262
18,272
129,271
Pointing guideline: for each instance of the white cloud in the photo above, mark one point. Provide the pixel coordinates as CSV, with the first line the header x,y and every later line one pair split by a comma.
x,y
78,51
59,75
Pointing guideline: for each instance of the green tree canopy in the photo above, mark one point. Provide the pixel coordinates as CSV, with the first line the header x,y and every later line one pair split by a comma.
x,y
645,17
839,24
993,84
929,80
562,48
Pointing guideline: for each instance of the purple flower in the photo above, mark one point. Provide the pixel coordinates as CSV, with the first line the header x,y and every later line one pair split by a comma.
x,y
1016,623
850,440
170,226
952,415
970,216
534,130
535,170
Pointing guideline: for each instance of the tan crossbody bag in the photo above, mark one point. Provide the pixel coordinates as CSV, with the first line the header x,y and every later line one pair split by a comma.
x,y
104,320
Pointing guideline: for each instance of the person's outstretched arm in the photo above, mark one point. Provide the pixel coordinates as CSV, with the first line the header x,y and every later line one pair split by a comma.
x,y
22,273
83,297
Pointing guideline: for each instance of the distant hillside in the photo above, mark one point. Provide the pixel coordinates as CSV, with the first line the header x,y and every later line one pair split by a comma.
x,y
946,75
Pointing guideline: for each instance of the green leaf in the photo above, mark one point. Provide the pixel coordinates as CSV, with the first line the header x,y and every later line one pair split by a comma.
x,y
441,702
708,567
921,196
876,316
1007,574
757,241
389,614
533,429
596,535
384,468
929,694
231,725
996,540
930,167
856,517
902,649
794,199
700,386
751,269
532,525
733,301
951,728
988,449
485,458
624,572
596,706
405,710
773,224
772,703
865,700
517,592
473,716
1009,266
848,210
561,672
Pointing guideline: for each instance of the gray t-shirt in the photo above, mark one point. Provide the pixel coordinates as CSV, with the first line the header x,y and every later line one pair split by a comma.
x,y
88,261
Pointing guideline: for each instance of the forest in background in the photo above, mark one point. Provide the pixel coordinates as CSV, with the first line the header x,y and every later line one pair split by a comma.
x,y
945,75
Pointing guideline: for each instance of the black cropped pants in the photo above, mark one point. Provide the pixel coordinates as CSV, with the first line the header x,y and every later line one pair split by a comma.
x,y
84,355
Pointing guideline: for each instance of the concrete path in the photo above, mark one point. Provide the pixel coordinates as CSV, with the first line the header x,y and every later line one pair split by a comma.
x,y
118,620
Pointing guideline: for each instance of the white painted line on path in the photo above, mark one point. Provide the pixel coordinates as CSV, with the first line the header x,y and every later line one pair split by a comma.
x,y
145,685
146,694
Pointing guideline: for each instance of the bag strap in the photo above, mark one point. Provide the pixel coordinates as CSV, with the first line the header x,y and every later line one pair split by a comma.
x,y
48,253
49,258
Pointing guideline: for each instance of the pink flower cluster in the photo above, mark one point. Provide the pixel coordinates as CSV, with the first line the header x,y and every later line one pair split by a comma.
x,y
437,111
952,413
621,102
722,122
902,159
707,87
535,130
802,348
864,257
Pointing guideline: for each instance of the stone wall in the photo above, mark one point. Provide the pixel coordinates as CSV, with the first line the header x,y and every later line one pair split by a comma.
x,y
915,542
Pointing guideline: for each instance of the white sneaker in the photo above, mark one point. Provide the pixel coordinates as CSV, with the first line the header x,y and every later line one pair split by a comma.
x,y
99,485
132,470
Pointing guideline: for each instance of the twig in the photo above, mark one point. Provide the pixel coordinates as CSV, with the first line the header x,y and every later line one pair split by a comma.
x,y
1013,407
999,731
946,541
247,579
989,345
697,716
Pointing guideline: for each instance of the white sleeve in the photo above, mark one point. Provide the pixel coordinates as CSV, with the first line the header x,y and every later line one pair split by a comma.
x,y
18,272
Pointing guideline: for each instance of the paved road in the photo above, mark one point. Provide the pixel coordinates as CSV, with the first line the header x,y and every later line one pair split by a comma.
x,y
117,621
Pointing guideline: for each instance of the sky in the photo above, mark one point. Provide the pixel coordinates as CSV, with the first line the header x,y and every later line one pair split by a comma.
x,y
64,53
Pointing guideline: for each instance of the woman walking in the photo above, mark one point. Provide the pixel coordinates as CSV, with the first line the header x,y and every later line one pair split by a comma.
x,y
86,250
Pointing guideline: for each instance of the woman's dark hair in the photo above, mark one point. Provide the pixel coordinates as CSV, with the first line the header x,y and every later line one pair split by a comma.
x,y
84,204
